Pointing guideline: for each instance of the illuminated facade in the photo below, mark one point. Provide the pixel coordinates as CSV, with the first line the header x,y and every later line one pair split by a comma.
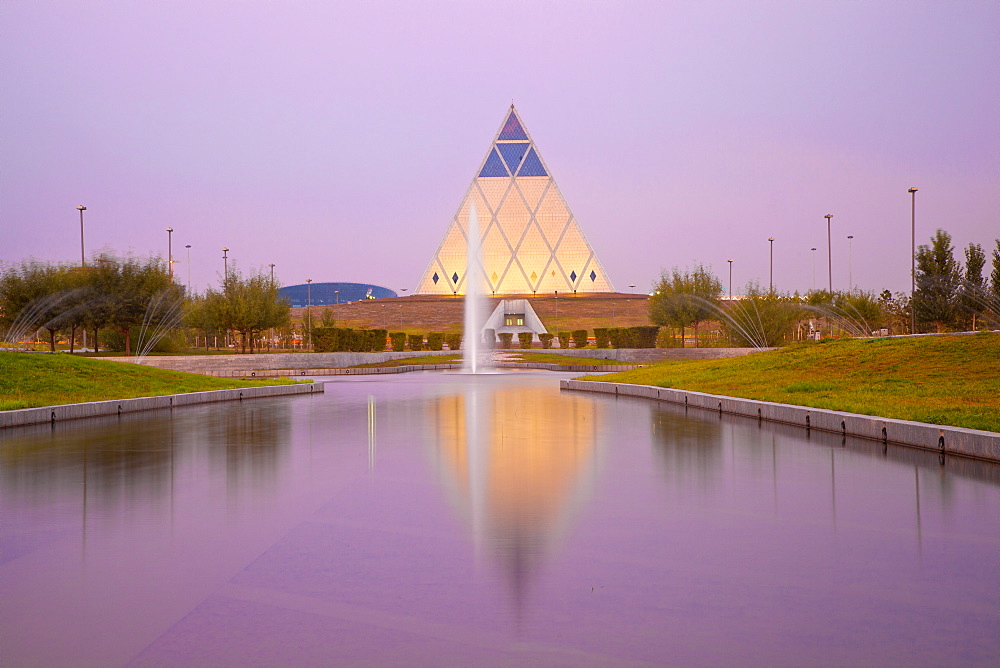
x,y
531,241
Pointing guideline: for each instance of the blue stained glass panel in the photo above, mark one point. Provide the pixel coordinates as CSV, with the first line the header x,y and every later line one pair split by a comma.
x,y
435,278
572,276
512,129
513,153
593,276
532,166
494,166
454,277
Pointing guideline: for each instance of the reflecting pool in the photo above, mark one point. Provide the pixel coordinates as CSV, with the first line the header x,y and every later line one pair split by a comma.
x,y
455,519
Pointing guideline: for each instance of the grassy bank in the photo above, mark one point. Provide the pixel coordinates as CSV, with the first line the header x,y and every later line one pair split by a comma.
x,y
28,380
953,380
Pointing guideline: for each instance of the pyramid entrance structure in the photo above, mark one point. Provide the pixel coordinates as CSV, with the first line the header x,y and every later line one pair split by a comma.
x,y
530,239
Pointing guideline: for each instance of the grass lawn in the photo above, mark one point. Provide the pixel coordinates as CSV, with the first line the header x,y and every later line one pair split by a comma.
x,y
407,361
555,358
28,380
950,380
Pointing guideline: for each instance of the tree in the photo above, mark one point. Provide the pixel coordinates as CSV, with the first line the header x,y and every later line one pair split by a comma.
x,y
685,298
128,292
939,280
895,310
762,319
245,305
33,295
995,274
973,285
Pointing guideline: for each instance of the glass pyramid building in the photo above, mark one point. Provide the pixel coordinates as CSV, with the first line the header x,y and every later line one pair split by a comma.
x,y
531,241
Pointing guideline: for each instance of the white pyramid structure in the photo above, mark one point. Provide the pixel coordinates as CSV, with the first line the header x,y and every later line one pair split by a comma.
x,y
531,242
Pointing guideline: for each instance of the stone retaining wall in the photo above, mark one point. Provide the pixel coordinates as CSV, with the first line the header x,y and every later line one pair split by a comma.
x,y
647,355
53,414
946,440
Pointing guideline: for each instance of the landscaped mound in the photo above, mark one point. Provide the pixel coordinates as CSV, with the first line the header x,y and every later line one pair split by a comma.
x,y
952,380
28,380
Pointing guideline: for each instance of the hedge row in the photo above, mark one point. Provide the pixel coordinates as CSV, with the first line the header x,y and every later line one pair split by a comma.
x,y
345,339
626,337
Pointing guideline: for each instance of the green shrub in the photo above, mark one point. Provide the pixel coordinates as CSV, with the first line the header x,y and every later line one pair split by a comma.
x,y
398,341
645,336
563,339
524,339
505,339
490,338
546,340
580,338
454,341
416,341
435,341
601,337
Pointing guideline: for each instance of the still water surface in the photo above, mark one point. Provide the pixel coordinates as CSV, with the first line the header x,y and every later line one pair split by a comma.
x,y
442,518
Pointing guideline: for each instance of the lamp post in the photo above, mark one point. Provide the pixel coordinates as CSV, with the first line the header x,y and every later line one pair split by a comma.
x,y
850,263
336,294
83,258
829,251
188,246
771,277
814,267
170,252
272,273
913,257
730,279
225,267
309,312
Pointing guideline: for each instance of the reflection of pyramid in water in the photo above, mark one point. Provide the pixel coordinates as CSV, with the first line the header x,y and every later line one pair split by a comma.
x,y
531,241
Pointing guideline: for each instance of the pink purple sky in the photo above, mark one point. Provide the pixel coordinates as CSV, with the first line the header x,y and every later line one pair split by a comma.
x,y
336,140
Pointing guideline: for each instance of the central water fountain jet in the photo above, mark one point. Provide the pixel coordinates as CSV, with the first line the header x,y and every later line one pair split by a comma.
x,y
473,360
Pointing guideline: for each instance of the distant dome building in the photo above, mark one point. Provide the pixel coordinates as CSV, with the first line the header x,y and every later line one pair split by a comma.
x,y
324,294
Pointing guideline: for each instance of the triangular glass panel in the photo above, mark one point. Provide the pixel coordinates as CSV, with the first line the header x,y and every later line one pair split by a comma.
x,y
494,166
532,165
512,129
513,154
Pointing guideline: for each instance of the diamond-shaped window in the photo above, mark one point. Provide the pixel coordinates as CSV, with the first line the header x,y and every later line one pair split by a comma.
x,y
593,276
435,278
454,277
572,276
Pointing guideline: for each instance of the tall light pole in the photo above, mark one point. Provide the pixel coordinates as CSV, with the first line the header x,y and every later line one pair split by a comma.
x,y
188,246
913,256
829,250
225,267
309,310
814,268
83,258
730,280
170,252
771,279
850,263
336,295
272,273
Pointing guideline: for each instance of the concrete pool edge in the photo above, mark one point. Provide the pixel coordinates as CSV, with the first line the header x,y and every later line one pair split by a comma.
x,y
40,415
974,443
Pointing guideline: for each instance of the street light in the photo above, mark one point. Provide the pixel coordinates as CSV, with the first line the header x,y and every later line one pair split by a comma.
x,y
189,267
771,278
829,251
170,252
83,259
336,294
850,263
309,312
272,273
814,268
913,256
730,279
225,267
